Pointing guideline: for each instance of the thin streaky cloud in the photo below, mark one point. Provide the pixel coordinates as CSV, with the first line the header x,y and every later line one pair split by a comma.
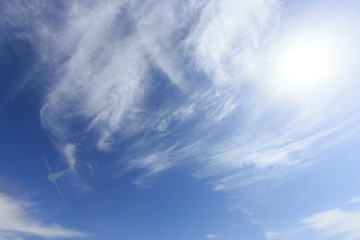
x,y
137,89
17,221
211,60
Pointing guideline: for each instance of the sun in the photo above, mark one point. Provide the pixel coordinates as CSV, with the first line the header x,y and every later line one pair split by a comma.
x,y
306,62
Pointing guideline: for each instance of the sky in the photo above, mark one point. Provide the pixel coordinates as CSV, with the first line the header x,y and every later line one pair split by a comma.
x,y
191,119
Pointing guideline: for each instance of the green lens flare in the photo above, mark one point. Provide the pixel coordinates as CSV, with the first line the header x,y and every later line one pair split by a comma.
x,y
52,177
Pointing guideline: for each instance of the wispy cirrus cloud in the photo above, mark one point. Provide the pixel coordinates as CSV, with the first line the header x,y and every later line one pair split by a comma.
x,y
228,37
152,166
69,151
215,44
100,84
104,85
16,221
185,82
243,132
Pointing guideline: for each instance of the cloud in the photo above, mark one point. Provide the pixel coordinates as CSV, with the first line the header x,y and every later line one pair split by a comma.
x,y
212,236
177,84
271,235
69,151
171,19
221,46
16,221
100,84
336,222
240,136
102,89
105,85
152,165
227,37
355,200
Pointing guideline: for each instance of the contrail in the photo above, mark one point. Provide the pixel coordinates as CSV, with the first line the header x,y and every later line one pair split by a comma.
x,y
53,179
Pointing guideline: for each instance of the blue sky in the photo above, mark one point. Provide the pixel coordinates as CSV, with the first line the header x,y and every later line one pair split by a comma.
x,y
180,119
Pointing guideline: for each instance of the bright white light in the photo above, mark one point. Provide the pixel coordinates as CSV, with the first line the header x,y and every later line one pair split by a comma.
x,y
306,62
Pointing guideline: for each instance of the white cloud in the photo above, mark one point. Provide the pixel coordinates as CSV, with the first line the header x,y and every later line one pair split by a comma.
x,y
69,151
211,53
336,222
159,26
271,235
104,84
16,220
176,116
99,84
101,87
212,236
227,44
152,165
226,39
355,200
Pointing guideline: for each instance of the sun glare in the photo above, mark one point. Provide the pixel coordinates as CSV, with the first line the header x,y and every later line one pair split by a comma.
x,y
306,62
